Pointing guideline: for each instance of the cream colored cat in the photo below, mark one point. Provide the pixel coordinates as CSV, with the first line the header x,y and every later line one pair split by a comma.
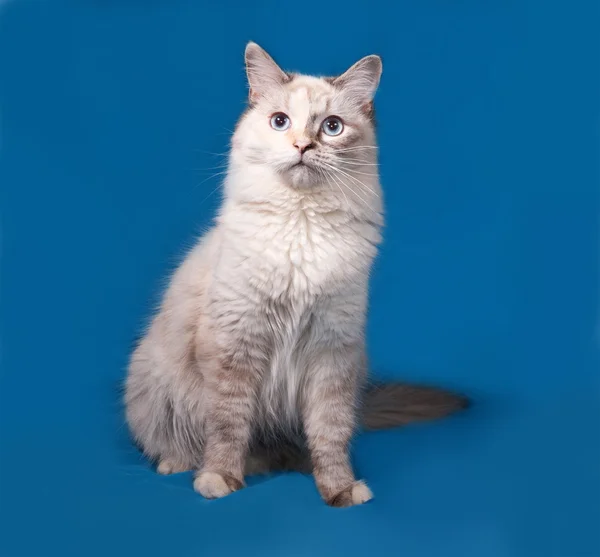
x,y
256,360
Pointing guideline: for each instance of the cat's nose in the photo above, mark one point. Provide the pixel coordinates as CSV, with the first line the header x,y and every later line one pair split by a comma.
x,y
304,145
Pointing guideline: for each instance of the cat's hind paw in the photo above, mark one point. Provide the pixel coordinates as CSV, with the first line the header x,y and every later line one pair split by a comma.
x,y
168,466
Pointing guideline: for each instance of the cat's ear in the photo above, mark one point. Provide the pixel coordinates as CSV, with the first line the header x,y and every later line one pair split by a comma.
x,y
262,71
362,79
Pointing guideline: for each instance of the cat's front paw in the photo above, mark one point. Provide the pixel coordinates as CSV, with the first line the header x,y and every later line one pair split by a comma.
x,y
357,494
213,485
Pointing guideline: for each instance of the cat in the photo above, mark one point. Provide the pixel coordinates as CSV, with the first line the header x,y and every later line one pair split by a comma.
x,y
256,358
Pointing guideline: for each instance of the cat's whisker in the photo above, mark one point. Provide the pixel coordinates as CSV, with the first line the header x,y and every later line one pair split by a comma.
x,y
342,159
225,154
347,185
376,174
359,156
354,163
210,194
343,166
321,172
365,162
354,192
339,187
210,168
359,182
344,185
357,147
210,178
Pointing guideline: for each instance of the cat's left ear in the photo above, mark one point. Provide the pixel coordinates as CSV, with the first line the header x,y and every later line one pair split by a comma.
x,y
362,79
262,71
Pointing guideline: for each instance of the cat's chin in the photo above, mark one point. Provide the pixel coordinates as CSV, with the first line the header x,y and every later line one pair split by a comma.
x,y
302,176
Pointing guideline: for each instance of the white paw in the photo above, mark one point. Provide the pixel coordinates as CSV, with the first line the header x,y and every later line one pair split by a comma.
x,y
211,485
168,466
361,493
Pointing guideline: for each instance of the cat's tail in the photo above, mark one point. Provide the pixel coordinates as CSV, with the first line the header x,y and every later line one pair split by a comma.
x,y
389,405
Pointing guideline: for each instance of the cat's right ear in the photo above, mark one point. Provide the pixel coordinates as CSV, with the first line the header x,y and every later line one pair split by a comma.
x,y
262,71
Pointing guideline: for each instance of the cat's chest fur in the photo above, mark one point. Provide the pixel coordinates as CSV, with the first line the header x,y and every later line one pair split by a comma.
x,y
299,257
301,250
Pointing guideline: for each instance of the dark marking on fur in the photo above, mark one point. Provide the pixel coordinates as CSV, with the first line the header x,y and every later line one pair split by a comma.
x,y
341,499
391,405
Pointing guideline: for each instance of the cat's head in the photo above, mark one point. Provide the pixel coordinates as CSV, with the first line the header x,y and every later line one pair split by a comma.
x,y
309,131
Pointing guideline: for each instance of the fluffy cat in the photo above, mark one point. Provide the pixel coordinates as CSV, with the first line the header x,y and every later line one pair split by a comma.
x,y
256,359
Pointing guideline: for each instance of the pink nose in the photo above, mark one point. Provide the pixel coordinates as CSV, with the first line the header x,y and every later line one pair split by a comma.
x,y
304,145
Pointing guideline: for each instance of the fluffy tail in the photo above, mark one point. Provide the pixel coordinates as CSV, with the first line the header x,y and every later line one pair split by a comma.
x,y
391,405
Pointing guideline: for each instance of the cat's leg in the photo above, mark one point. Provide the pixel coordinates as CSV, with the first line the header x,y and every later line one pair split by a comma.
x,y
329,421
231,390
159,423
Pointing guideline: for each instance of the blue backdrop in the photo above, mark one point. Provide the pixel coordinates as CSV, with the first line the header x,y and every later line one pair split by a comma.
x,y
112,118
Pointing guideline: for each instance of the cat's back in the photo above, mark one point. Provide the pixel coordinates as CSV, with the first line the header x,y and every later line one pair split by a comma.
x,y
172,328
192,277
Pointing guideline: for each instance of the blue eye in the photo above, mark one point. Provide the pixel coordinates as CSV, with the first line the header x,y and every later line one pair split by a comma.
x,y
332,126
280,122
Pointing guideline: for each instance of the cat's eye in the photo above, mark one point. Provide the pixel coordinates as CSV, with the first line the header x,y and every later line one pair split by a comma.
x,y
280,121
332,126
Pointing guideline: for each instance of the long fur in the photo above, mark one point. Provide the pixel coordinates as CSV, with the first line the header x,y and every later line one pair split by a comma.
x,y
390,405
256,359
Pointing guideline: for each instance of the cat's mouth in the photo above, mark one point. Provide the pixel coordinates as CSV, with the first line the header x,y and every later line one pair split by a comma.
x,y
301,164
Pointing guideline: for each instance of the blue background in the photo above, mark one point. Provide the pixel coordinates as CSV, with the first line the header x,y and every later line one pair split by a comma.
x,y
111,113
